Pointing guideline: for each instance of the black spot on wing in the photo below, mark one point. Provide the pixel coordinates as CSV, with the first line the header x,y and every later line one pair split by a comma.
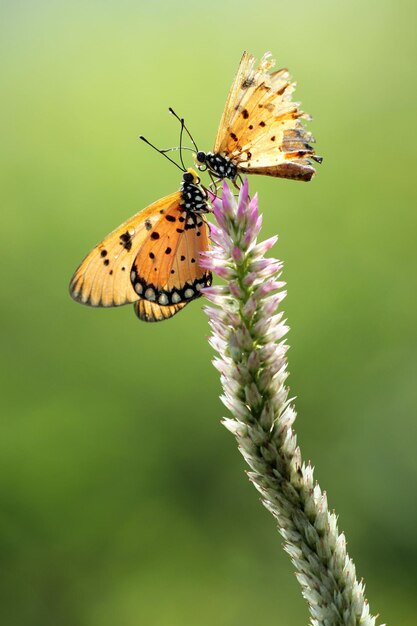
x,y
248,82
126,241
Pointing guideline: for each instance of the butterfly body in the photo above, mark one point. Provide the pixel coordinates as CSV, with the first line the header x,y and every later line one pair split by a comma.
x,y
152,259
218,164
261,131
194,198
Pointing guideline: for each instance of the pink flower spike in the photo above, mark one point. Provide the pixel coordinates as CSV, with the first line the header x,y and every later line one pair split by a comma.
x,y
216,294
258,224
250,307
250,279
224,272
253,212
214,313
267,287
216,290
252,232
270,270
261,264
217,204
235,290
248,332
218,235
272,302
214,255
243,199
207,263
220,215
264,246
228,200
237,255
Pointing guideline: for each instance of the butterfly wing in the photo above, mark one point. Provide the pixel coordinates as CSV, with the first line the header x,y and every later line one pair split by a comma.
x,y
103,277
260,130
167,270
151,312
242,82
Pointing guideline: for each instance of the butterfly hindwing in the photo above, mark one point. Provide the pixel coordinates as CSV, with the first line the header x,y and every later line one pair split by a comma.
x,y
103,277
151,312
167,269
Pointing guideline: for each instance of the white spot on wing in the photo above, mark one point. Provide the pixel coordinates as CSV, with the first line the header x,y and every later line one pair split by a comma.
x,y
150,294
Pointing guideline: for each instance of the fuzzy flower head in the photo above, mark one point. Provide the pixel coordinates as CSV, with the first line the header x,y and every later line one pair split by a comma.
x,y
237,258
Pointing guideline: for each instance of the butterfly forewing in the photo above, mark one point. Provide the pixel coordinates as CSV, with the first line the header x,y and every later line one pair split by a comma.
x,y
241,84
103,278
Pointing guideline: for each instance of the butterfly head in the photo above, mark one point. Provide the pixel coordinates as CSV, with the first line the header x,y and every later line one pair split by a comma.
x,y
200,160
191,177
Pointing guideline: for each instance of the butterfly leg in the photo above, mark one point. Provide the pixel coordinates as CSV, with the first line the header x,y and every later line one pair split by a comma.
x,y
240,181
214,185
236,186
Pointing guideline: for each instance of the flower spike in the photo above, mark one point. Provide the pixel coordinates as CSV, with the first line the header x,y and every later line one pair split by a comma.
x,y
247,333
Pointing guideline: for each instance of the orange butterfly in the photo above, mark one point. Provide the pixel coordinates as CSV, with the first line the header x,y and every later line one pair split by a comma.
x,y
152,259
260,131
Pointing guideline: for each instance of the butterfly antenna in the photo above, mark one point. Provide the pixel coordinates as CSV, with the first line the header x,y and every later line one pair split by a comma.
x,y
181,121
163,153
181,134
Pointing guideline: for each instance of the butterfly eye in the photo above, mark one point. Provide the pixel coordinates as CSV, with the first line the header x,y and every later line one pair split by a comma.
x,y
201,157
187,177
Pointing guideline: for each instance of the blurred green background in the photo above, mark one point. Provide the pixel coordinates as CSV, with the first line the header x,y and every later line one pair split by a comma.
x,y
123,499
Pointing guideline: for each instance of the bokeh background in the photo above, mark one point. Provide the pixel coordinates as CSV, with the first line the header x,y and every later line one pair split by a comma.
x,y
122,498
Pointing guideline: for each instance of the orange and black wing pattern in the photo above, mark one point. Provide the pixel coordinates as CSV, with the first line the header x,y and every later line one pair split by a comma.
x,y
261,130
167,270
151,260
